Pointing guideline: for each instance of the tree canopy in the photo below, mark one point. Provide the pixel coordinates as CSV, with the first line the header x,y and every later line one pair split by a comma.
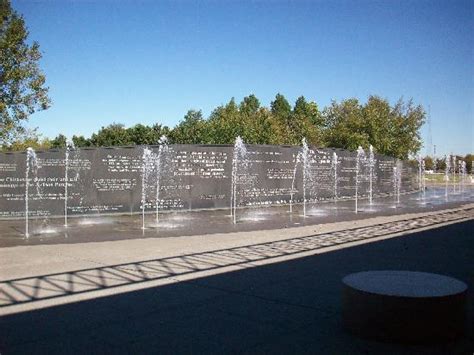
x,y
393,130
22,84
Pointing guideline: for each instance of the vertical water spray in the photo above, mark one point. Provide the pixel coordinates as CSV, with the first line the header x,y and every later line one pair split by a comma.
x,y
394,180
371,171
239,161
462,174
31,166
423,180
447,160
397,181
306,171
69,146
292,191
419,159
453,170
146,165
359,158
66,164
160,163
334,164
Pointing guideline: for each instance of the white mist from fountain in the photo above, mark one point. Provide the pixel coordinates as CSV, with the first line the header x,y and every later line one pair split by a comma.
x,y
160,164
301,157
69,146
292,191
423,180
397,181
453,170
31,167
334,164
371,171
447,160
418,161
360,157
66,164
462,174
239,162
306,171
421,176
147,164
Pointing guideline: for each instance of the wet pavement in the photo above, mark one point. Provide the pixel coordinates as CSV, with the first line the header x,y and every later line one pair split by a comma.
x,y
186,223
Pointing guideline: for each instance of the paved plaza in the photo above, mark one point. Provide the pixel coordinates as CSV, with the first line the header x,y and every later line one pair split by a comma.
x,y
246,292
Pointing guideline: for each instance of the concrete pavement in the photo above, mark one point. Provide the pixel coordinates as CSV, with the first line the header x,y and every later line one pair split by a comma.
x,y
254,292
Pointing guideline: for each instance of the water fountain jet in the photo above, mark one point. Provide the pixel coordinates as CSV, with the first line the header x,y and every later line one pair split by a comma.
x,y
334,164
160,162
31,166
306,171
371,171
447,160
359,158
292,191
453,169
397,181
69,146
239,161
146,169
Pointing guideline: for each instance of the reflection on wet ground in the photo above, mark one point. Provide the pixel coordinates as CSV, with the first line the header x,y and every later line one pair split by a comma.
x,y
174,224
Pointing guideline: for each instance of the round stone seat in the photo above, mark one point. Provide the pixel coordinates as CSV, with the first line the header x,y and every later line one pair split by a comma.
x,y
404,306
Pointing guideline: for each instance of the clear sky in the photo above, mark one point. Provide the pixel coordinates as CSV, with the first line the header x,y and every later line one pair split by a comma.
x,y
150,61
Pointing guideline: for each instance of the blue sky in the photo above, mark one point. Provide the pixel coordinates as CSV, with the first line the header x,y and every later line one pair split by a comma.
x,y
150,61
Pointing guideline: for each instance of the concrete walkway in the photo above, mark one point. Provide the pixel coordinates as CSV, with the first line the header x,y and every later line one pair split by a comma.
x,y
254,292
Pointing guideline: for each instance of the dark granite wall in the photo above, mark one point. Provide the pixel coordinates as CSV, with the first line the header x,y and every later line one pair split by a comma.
x,y
107,180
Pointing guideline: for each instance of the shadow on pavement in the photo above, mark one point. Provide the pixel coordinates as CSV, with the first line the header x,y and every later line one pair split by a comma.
x,y
42,287
286,307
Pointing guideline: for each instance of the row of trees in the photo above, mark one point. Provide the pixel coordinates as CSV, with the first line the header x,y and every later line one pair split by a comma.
x,y
392,129
438,164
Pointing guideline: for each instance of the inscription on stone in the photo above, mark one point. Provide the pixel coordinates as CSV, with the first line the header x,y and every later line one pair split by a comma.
x,y
107,180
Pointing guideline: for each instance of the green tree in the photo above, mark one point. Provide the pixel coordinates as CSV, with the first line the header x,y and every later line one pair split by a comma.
x,y
225,124
59,141
441,164
27,138
305,122
469,159
144,135
393,131
80,141
253,120
407,119
264,128
281,110
22,84
114,134
191,130
378,124
344,125
429,163
249,105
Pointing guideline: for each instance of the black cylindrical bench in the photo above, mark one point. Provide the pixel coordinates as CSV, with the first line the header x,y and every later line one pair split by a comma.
x,y
404,306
